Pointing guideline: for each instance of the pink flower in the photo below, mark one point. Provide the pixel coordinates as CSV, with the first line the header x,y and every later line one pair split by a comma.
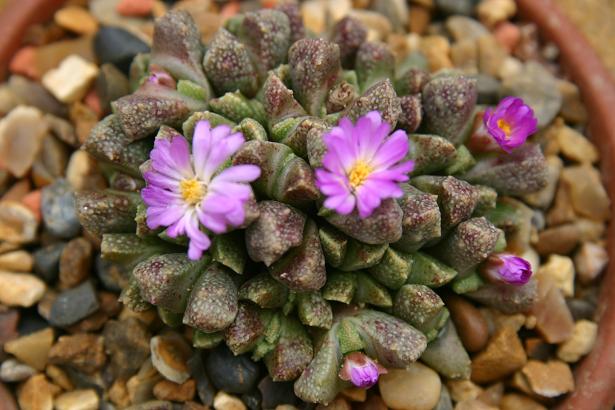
x,y
506,267
184,193
510,123
360,370
362,165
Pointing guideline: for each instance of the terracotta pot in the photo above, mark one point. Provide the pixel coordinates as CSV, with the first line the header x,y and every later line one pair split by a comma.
x,y
595,376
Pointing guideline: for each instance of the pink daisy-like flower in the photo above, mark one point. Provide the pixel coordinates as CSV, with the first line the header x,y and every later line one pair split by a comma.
x,y
362,165
360,370
510,123
506,267
184,193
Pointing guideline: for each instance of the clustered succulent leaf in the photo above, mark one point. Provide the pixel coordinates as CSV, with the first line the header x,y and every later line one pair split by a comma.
x,y
300,286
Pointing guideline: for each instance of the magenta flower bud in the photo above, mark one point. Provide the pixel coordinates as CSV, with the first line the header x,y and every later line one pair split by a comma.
x,y
160,77
363,165
360,370
510,123
506,267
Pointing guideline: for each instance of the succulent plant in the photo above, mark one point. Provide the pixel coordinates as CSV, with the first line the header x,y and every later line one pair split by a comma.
x,y
285,276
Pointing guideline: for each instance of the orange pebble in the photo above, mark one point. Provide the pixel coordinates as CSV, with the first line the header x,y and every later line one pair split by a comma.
x,y
92,100
32,201
507,34
23,62
135,8
230,9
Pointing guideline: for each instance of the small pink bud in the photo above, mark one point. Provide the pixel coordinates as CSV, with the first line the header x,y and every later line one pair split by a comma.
x,y
505,267
360,370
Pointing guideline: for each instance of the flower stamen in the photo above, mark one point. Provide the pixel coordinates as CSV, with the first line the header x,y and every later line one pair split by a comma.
x,y
505,127
359,173
192,190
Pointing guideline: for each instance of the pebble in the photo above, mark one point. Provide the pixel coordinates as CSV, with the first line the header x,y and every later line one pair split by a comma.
x,y
170,354
437,50
50,162
69,82
580,343
515,401
508,35
21,135
462,390
470,324
563,239
233,374
573,145
418,19
396,11
553,319
117,46
167,390
82,172
84,119
573,110
75,262
20,289
561,270
83,352
224,401
17,261
114,277
474,405
74,304
378,27
354,394
47,261
135,8
141,385
492,12
13,370
464,55
551,379
465,28
339,403
127,344
276,393
62,129
491,55
587,194
415,388
118,393
463,7
76,19
503,355
50,56
33,94
59,214
538,88
35,394
77,400
59,377
18,224
590,260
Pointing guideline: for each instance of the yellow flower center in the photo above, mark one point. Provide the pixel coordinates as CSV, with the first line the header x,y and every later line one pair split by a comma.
x,y
359,173
192,190
504,126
